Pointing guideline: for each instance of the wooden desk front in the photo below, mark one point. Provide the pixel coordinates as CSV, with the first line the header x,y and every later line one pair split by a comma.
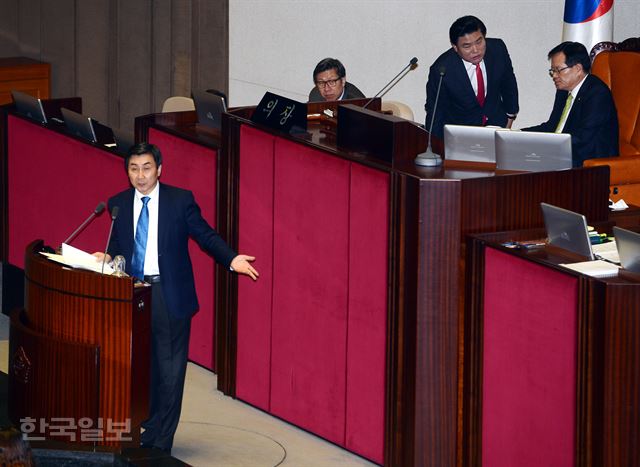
x,y
552,361
354,330
52,181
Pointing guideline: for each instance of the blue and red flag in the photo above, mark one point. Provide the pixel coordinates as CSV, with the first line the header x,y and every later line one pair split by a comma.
x,y
588,21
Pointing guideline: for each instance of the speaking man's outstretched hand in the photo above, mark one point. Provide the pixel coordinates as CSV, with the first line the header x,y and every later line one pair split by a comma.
x,y
242,265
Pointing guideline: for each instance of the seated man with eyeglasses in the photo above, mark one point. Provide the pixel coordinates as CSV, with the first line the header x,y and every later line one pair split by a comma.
x,y
331,84
583,106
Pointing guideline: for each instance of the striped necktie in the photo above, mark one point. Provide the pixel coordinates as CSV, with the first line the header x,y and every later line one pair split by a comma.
x,y
565,113
140,246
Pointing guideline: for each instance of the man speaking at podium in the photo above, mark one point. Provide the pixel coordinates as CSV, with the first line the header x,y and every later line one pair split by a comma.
x,y
152,231
478,84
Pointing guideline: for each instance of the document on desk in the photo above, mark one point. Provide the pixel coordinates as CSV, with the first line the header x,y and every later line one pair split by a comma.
x,y
597,268
78,259
607,251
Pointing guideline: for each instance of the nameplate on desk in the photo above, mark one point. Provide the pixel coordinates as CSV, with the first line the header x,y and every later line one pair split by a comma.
x,y
281,113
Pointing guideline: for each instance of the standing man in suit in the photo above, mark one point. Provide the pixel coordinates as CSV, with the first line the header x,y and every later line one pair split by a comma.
x,y
583,106
152,232
331,84
478,84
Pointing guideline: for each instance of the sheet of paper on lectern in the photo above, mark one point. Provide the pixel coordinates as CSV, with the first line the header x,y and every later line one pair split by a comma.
x,y
76,258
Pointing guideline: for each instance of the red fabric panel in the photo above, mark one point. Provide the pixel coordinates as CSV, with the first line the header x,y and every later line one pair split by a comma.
x,y
54,183
194,167
310,285
253,372
529,372
366,344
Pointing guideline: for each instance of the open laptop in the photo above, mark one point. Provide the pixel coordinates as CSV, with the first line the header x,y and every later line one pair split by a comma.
x,y
469,143
532,152
628,244
567,230
29,106
210,108
79,125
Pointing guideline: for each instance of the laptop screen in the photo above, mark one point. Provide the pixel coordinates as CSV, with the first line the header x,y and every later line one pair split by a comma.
x,y
469,143
532,152
628,244
567,230
29,106
79,125
210,108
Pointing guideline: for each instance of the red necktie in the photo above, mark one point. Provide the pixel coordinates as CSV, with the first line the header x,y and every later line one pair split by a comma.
x,y
480,95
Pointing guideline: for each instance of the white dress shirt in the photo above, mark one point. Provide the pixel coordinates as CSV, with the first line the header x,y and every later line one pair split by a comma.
x,y
471,72
151,267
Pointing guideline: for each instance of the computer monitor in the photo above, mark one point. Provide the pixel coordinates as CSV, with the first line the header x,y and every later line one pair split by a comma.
x,y
29,106
210,108
79,125
469,143
532,152
628,244
567,230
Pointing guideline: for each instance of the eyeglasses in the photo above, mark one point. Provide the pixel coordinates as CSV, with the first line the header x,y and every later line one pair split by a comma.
x,y
553,71
328,83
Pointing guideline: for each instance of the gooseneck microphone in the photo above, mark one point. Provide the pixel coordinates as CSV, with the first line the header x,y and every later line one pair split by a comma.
x,y
114,215
413,64
96,212
430,158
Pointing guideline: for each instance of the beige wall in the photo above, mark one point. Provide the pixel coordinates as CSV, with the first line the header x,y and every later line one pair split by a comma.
x,y
123,57
274,45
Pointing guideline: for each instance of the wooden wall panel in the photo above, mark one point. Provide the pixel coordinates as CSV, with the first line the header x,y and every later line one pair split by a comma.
x,y
125,57
210,66
9,28
29,17
93,51
162,62
58,44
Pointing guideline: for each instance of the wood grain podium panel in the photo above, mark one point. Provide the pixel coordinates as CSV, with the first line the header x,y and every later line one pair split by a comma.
x,y
79,310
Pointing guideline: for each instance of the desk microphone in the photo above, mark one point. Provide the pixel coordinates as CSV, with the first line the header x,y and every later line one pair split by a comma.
x,y
97,211
430,158
413,64
114,214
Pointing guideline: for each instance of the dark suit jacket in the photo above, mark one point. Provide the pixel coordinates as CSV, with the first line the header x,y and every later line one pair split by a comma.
x,y
592,122
458,104
178,219
350,92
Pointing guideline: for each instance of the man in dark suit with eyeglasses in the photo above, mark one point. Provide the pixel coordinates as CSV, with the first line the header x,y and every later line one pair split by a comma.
x,y
331,84
583,106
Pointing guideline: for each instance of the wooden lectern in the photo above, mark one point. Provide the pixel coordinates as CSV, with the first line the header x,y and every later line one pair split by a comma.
x,y
79,358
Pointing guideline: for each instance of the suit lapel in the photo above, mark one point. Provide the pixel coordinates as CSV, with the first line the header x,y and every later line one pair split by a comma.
x,y
577,103
462,78
163,206
126,212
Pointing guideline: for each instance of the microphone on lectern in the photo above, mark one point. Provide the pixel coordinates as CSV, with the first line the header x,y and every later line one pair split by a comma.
x,y
96,212
430,158
114,215
413,64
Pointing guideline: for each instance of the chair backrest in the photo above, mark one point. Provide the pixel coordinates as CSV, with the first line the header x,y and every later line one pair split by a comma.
x,y
620,71
178,104
399,109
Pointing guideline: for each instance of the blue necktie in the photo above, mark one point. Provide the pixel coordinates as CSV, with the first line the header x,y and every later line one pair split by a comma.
x,y
140,247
